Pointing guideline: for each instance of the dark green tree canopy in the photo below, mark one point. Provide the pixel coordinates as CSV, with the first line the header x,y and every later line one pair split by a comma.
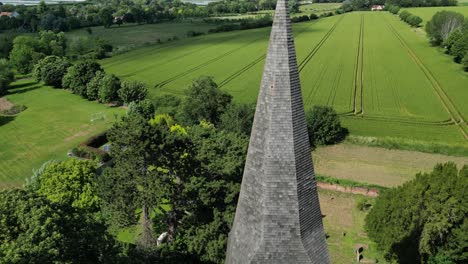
x,y
425,219
324,126
204,101
79,75
35,230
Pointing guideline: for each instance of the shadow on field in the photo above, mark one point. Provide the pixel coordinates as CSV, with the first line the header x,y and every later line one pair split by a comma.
x,y
22,85
17,90
6,119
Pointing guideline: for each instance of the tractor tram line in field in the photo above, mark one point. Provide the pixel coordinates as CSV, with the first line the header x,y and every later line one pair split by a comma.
x,y
358,74
455,115
311,54
204,64
301,65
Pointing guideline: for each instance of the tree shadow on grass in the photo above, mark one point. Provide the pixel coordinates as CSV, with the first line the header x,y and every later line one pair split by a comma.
x,y
23,90
6,119
22,85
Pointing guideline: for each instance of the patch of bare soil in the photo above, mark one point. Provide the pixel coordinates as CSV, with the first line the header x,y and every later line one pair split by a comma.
x,y
5,104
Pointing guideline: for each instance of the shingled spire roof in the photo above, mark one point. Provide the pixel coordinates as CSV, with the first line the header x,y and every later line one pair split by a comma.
x,y
278,218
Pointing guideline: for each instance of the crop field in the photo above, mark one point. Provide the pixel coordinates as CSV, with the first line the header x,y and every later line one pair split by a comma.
x,y
385,80
315,8
426,13
54,122
130,36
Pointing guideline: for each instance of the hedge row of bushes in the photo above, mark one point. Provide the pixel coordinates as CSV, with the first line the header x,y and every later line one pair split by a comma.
x,y
411,19
88,79
265,21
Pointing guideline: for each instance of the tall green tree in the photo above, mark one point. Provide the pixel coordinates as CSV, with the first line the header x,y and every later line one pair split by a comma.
x,y
72,182
425,219
204,101
79,75
442,24
34,229
6,76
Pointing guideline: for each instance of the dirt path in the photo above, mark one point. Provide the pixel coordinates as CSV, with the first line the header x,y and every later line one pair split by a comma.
x,y
376,165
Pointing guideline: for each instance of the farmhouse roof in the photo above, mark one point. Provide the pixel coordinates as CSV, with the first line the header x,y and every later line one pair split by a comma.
x,y
278,217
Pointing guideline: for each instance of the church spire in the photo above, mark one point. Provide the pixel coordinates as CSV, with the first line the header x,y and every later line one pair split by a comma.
x,y
278,218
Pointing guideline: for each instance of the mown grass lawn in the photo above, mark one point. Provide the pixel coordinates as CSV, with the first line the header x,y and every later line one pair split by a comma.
x,y
54,122
386,80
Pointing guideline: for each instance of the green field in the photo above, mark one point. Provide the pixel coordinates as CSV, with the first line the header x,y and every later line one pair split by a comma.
x,y
54,122
384,79
307,9
426,13
130,36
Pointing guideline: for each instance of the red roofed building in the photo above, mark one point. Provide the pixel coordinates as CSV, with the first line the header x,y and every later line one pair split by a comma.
x,y
377,7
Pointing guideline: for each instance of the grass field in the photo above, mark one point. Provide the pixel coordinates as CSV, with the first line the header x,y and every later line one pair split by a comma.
x,y
383,79
53,123
344,225
378,166
307,9
426,13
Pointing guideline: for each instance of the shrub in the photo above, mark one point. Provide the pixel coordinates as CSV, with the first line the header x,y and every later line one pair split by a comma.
x,y
394,9
109,86
132,91
413,20
93,87
313,16
51,70
404,15
324,126
465,62
300,19
6,76
144,108
79,75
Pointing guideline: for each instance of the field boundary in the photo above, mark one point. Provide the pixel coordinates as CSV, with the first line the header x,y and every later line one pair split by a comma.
x,y
440,92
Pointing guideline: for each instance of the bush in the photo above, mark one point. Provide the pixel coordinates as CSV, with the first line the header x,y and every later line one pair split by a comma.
x,y
51,70
404,15
93,87
300,19
394,9
79,75
132,91
465,62
109,86
144,108
6,76
413,20
313,16
324,126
